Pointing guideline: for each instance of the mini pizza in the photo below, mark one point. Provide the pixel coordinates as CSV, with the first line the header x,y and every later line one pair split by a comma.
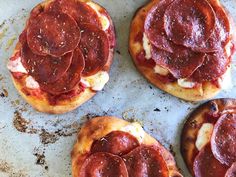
x,y
208,141
183,47
63,55
112,147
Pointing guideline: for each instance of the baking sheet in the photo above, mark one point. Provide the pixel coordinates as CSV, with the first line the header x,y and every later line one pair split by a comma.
x,y
33,144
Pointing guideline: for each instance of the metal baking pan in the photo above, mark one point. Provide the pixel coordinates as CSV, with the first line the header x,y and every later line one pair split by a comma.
x,y
33,144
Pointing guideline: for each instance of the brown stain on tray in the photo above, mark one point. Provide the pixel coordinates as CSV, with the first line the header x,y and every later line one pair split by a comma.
x,y
24,125
8,169
19,122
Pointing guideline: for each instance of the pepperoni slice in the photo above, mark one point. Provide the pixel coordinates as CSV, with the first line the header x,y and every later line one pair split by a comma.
x,y
35,12
94,45
103,164
23,37
206,165
221,32
154,26
181,64
80,11
223,140
231,172
70,79
53,33
145,161
189,23
213,67
116,142
46,69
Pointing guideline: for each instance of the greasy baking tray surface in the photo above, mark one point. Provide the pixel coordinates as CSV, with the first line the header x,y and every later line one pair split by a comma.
x,y
33,144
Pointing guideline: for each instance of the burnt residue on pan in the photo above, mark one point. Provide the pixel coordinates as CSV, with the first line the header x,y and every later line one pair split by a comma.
x,y
8,169
19,122
39,153
4,93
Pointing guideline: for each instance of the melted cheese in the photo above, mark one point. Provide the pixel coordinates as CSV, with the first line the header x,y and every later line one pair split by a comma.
x,y
147,47
31,83
228,49
136,130
84,83
160,70
184,83
204,135
225,81
103,19
96,82
16,66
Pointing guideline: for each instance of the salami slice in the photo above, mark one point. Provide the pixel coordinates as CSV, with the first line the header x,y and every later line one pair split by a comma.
x,y
221,32
35,12
46,69
23,37
154,26
189,23
70,79
231,172
80,11
206,165
103,164
181,64
214,66
94,45
116,142
145,161
53,33
223,140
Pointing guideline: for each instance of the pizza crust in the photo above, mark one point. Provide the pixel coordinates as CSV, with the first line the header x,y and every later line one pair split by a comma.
x,y
205,91
99,127
62,106
193,124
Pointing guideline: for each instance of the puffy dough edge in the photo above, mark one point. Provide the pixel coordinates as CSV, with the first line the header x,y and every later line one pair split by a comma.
x,y
41,104
193,124
206,91
97,128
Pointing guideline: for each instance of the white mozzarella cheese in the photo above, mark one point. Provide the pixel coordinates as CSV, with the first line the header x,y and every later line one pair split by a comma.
x,y
31,83
160,70
185,83
147,47
136,130
103,19
204,135
16,66
96,82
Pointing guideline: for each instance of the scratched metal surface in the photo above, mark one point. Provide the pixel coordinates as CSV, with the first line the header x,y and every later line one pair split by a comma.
x,y
33,144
